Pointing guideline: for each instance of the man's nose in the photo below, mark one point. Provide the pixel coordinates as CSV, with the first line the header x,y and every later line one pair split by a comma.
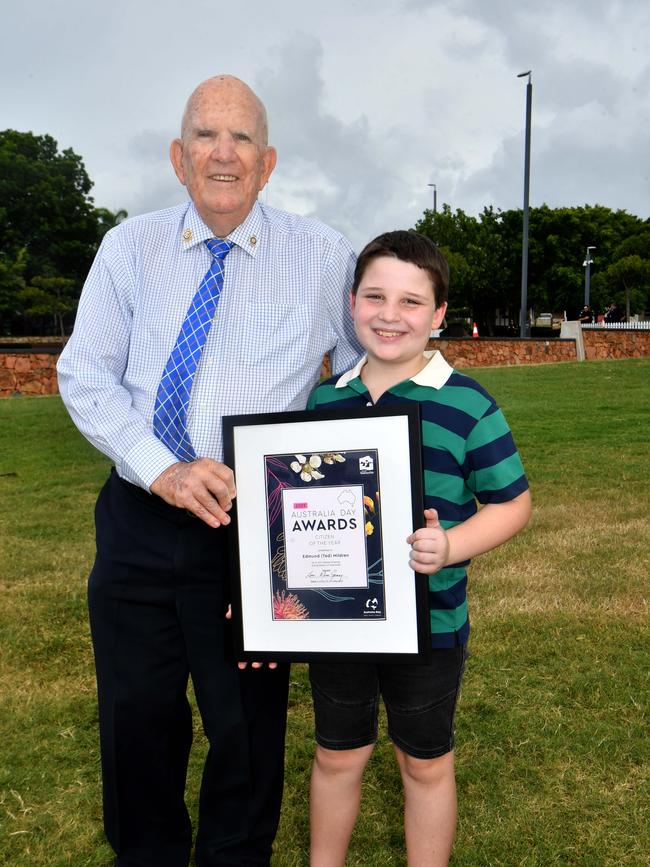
x,y
224,147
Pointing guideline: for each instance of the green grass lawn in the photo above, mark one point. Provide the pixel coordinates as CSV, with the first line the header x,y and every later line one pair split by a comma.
x,y
553,748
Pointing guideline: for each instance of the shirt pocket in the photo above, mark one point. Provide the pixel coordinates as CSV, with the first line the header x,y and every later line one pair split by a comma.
x,y
285,335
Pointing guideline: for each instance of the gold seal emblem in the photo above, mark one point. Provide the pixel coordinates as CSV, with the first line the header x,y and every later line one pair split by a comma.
x,y
187,234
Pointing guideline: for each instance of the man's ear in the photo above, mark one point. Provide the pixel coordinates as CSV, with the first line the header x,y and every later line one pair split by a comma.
x,y
176,157
269,159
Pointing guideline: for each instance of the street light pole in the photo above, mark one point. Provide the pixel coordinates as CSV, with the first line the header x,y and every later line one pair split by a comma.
x,y
587,266
435,198
523,329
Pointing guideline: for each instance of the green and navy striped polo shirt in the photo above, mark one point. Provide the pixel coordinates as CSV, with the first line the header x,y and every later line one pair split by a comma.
x,y
468,456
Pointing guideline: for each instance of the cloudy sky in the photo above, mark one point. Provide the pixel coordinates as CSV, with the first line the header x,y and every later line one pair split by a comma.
x,y
369,102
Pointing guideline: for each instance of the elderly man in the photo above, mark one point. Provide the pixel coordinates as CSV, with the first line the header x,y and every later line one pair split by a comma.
x,y
221,305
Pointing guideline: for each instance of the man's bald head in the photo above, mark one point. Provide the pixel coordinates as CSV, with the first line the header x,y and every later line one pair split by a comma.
x,y
224,86
223,157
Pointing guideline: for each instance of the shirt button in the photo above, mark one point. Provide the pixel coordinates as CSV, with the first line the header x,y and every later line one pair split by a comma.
x,y
369,403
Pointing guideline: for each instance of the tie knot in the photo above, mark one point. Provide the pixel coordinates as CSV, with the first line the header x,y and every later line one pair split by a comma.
x,y
218,248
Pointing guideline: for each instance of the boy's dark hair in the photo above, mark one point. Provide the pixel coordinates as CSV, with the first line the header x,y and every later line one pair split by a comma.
x,y
409,246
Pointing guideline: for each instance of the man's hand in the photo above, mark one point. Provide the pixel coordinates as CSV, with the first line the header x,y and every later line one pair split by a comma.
x,y
205,488
429,545
243,665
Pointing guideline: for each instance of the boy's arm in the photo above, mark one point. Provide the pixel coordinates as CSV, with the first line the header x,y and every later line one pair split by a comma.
x,y
490,527
432,547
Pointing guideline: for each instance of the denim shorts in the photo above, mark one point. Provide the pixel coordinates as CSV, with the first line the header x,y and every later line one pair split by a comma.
x,y
420,703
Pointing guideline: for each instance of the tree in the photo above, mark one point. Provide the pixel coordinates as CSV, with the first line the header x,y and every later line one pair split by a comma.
x,y
46,211
108,220
46,206
562,290
480,262
559,238
485,256
12,283
635,245
53,297
627,282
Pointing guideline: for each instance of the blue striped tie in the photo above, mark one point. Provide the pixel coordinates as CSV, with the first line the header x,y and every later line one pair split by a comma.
x,y
172,400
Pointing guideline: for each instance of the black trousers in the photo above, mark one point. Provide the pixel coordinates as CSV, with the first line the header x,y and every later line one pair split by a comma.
x,y
158,593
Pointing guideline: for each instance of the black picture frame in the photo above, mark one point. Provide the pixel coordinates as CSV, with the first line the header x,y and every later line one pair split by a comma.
x,y
305,481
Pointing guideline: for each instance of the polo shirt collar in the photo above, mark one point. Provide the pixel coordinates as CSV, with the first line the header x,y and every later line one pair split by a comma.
x,y
247,235
349,375
435,374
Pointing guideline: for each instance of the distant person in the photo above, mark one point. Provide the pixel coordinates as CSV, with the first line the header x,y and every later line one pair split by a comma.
x,y
398,296
220,305
586,315
614,313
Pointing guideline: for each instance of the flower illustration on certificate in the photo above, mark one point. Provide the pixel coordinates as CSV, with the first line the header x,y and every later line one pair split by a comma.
x,y
325,535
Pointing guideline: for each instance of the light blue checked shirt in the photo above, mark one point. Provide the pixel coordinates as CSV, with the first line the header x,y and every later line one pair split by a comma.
x,y
284,304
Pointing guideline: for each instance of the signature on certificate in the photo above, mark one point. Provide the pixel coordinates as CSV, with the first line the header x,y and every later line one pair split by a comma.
x,y
324,572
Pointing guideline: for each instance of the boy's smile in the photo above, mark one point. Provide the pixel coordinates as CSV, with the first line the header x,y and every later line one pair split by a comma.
x,y
394,312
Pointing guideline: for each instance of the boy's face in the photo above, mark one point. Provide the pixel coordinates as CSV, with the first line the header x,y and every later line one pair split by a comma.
x,y
394,312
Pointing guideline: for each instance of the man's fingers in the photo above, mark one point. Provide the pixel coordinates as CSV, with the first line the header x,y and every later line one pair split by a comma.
x,y
208,509
226,475
205,488
213,485
220,488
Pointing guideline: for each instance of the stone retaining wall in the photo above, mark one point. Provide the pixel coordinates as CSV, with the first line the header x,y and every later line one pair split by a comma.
x,y
27,373
504,351
615,344
26,370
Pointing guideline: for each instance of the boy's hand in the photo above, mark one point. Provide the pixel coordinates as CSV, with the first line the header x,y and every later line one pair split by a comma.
x,y
429,545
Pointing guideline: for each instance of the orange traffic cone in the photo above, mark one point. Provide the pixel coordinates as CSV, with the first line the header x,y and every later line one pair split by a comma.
x,y
475,331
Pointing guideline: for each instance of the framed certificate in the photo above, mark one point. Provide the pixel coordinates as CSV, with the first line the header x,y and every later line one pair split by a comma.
x,y
319,559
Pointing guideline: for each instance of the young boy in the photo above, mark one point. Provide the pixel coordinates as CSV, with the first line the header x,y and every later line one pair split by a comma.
x,y
399,295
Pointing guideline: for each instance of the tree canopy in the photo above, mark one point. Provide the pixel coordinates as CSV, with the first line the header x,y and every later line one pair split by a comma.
x,y
49,229
485,254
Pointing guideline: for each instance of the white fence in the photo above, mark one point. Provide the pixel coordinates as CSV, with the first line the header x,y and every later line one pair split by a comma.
x,y
616,326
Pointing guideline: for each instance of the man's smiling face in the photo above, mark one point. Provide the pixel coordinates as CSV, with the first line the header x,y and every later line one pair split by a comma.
x,y
223,158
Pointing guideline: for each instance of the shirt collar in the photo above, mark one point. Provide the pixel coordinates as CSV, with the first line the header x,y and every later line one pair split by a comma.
x,y
349,375
247,235
435,374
